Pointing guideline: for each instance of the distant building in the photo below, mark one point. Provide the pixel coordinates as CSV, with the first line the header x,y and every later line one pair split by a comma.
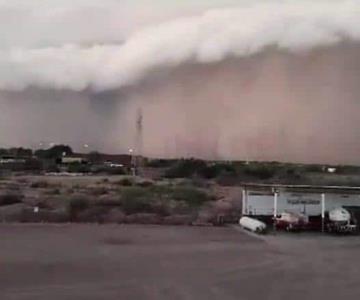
x,y
73,159
115,160
13,163
9,159
113,165
331,170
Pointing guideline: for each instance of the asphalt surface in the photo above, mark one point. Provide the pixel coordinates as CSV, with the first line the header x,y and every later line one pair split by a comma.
x,y
150,262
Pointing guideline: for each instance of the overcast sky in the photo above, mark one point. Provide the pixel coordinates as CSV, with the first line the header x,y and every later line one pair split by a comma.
x,y
40,23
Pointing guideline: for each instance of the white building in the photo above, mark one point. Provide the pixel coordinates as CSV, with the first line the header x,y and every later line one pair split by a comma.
x,y
259,199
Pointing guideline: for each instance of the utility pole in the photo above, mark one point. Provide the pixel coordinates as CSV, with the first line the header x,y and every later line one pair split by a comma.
x,y
322,212
138,141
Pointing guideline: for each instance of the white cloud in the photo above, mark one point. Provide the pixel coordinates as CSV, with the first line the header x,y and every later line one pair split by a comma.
x,y
239,31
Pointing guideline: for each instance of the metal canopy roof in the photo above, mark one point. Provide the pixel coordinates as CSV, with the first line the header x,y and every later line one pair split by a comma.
x,y
303,188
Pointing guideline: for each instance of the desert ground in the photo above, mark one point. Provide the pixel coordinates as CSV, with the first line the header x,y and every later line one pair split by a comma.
x,y
115,199
81,261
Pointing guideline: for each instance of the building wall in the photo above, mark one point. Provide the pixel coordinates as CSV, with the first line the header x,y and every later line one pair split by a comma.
x,y
262,203
70,160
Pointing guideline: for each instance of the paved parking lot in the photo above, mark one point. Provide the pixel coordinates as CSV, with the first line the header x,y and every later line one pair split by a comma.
x,y
152,262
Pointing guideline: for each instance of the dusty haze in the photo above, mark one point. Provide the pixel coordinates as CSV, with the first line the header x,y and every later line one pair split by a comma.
x,y
262,81
271,106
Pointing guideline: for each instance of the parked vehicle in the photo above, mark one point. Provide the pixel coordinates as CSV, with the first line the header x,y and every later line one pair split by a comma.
x,y
291,221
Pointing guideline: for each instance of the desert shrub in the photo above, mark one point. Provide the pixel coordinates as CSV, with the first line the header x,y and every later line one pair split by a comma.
x,y
192,196
199,182
160,163
125,182
157,199
260,171
225,179
93,214
33,165
70,191
77,205
161,208
314,169
98,191
108,201
116,171
22,180
54,191
145,183
52,168
79,168
43,204
216,170
10,198
13,187
185,168
136,200
54,152
135,205
40,184
351,170
108,170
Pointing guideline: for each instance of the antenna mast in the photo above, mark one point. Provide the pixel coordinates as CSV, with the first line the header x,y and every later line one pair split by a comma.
x,y
138,141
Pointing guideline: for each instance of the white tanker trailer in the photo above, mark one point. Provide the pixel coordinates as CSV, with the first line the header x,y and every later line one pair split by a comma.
x,y
341,221
253,225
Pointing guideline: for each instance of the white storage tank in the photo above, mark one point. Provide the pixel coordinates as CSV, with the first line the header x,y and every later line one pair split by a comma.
x,y
253,225
339,215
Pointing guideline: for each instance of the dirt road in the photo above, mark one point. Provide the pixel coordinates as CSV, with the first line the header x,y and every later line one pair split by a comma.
x,y
149,262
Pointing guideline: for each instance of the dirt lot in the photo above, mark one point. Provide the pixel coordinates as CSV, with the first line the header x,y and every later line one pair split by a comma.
x,y
153,262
